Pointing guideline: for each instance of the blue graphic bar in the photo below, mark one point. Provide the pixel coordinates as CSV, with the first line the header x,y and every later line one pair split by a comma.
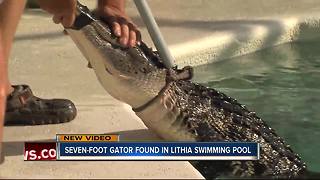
x,y
158,151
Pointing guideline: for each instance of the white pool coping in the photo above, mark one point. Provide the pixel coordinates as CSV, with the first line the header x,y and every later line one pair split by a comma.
x,y
229,44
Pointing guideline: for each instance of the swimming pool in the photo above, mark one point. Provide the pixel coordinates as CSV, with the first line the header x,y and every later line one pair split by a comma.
x,y
281,84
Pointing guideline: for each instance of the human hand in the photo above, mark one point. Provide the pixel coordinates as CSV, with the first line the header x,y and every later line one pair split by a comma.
x,y
64,11
121,25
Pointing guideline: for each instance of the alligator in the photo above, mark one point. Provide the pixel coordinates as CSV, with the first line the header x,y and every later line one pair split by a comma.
x,y
176,108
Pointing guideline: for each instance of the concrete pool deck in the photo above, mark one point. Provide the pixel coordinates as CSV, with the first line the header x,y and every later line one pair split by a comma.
x,y
197,32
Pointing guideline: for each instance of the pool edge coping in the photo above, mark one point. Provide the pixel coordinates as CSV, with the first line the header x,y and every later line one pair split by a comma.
x,y
225,45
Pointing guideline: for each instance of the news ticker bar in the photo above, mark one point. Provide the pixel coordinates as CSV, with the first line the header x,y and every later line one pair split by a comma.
x,y
108,147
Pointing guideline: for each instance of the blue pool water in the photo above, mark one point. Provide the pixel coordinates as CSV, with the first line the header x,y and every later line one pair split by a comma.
x,y
281,84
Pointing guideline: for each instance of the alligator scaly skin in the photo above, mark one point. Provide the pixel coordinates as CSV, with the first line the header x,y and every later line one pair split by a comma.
x,y
177,109
208,115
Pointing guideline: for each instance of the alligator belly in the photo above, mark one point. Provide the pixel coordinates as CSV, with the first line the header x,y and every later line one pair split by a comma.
x,y
163,116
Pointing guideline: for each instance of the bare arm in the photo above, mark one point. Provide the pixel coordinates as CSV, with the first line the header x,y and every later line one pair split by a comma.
x,y
3,94
119,4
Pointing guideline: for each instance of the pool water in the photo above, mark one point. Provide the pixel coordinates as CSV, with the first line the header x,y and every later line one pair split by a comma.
x,y
282,85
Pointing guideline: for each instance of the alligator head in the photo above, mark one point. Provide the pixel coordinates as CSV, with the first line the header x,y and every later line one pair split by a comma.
x,y
132,75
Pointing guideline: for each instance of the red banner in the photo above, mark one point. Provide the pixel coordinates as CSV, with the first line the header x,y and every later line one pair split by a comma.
x,y
40,151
